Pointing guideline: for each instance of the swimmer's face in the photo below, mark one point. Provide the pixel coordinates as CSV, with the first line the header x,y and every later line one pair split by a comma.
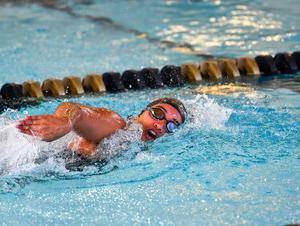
x,y
159,119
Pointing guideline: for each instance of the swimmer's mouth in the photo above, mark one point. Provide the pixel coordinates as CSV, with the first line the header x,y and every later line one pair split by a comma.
x,y
152,134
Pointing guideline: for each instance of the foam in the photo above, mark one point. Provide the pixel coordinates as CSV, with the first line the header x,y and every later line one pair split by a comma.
x,y
144,157
204,112
120,141
21,153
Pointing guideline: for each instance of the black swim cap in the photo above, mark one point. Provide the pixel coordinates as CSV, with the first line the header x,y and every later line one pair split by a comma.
x,y
177,104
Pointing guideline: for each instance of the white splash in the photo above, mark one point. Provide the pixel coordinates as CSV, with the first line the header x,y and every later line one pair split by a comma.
x,y
204,112
120,141
19,152
144,156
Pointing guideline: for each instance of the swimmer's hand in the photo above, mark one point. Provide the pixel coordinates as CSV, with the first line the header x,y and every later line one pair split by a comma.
x,y
46,127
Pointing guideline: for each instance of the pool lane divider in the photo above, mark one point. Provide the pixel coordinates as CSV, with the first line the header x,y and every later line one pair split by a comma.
x,y
221,70
93,83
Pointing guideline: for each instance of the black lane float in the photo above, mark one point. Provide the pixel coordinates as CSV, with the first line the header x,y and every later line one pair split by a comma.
x,y
222,70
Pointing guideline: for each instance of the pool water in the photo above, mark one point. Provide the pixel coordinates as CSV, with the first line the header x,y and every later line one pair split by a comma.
x,y
236,161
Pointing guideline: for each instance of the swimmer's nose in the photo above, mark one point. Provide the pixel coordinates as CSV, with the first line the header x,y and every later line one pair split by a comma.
x,y
159,128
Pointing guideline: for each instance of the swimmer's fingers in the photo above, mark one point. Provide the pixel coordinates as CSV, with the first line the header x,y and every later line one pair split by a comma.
x,y
30,129
45,119
26,130
37,132
35,123
26,122
45,132
47,127
35,120
22,126
33,128
25,126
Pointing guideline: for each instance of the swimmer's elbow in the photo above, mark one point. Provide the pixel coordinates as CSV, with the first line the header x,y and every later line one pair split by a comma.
x,y
116,122
70,110
121,123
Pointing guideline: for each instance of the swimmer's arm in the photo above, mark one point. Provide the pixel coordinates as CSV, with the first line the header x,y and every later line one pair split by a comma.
x,y
93,124
90,123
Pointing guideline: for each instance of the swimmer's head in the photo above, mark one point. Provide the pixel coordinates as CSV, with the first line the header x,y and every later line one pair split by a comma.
x,y
177,104
162,116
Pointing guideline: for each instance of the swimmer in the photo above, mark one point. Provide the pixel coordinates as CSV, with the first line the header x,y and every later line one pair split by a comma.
x,y
92,125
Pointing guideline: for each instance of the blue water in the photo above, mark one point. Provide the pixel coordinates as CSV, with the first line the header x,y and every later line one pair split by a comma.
x,y
236,160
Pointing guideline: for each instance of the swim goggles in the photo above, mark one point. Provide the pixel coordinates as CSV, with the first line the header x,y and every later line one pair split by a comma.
x,y
159,114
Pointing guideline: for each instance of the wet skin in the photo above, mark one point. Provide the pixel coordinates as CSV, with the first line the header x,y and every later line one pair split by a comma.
x,y
154,128
92,125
